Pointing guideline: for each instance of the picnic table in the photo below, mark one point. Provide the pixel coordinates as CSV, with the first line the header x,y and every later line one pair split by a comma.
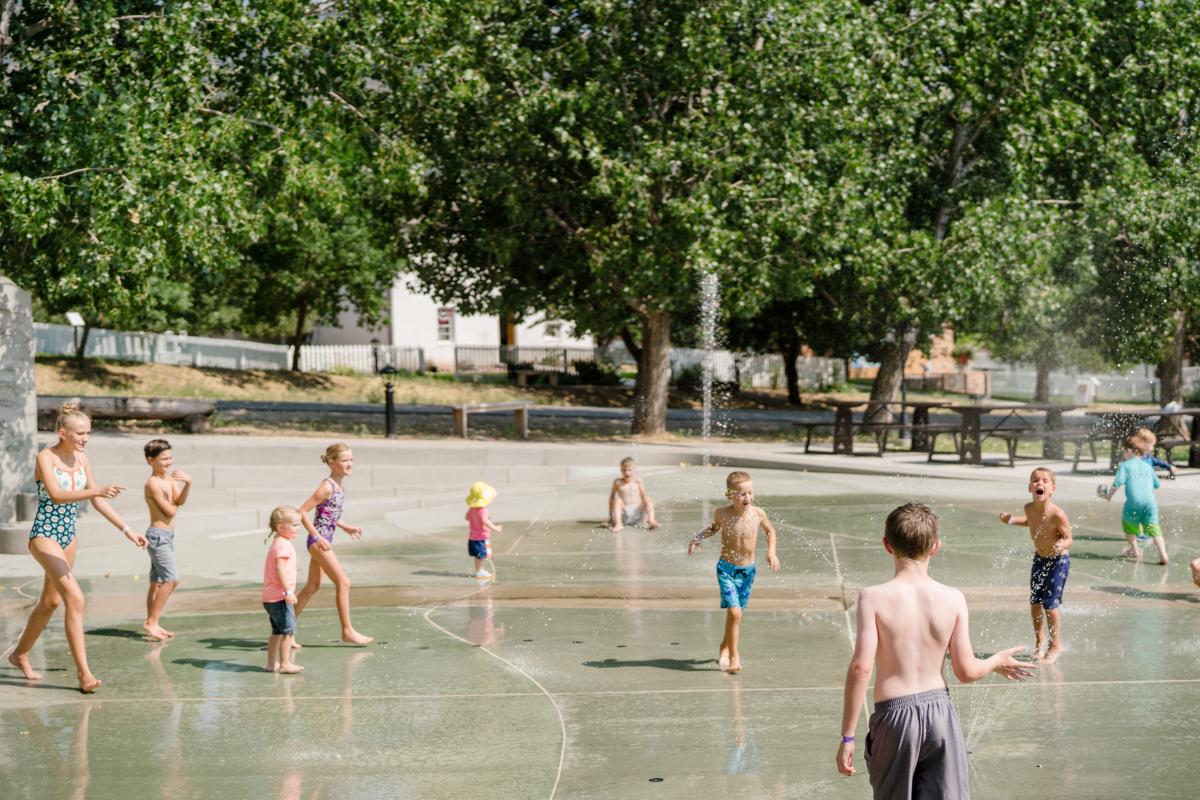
x,y
973,432
1122,422
844,426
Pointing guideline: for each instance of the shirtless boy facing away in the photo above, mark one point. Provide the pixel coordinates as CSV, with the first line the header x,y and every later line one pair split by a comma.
x,y
738,524
1051,533
915,745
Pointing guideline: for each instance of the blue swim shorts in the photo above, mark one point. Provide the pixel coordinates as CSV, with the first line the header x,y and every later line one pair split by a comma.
x,y
1047,580
478,548
283,618
735,583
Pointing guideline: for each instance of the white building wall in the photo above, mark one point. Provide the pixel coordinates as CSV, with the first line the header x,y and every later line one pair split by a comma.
x,y
414,323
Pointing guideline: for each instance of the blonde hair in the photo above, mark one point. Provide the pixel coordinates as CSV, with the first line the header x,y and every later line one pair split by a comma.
x,y
333,451
912,530
734,478
1137,444
627,460
1048,471
69,411
279,516
1148,439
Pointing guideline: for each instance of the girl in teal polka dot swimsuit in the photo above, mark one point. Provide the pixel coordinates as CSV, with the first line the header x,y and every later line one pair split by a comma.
x,y
64,479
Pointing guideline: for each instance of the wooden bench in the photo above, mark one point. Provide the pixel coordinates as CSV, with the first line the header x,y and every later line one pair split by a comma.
x,y
520,415
809,427
881,431
522,375
196,415
1079,438
929,432
1168,443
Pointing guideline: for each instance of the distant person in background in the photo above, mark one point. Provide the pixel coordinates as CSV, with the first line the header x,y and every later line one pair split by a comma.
x,y
628,503
166,490
64,478
326,502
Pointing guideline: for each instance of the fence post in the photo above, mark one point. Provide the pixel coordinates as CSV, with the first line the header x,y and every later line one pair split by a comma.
x,y
420,359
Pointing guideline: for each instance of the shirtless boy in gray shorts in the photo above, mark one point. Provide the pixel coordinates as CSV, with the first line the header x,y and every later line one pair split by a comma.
x,y
164,495
915,744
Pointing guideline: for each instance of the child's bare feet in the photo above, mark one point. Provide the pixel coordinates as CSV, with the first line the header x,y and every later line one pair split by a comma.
x,y
1052,654
354,637
1132,553
617,528
272,666
735,666
154,632
296,645
723,656
89,683
21,662
165,632
653,526
290,669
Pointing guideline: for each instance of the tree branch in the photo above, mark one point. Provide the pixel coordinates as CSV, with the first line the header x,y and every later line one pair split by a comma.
x,y
78,171
278,130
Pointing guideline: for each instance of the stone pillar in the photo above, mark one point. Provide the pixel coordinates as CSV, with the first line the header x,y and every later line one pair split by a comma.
x,y
18,411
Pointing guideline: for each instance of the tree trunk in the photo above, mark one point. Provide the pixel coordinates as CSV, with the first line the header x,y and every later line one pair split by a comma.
x,y
1041,394
636,352
654,375
81,348
791,352
1170,371
887,380
298,334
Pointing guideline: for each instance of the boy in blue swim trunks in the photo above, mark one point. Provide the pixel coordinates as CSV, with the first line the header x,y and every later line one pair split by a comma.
x,y
1140,515
1051,533
738,524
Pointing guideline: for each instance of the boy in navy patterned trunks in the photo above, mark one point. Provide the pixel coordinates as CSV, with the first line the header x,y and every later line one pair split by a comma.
x,y
1051,533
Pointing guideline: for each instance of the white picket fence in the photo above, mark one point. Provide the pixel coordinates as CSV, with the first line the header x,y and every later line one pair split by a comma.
x,y
1138,385
202,351
760,371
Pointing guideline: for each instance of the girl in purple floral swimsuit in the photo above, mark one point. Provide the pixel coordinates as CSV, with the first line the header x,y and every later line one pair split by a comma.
x,y
327,502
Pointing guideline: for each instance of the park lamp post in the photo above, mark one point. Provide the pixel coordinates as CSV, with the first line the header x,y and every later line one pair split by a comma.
x,y
389,401
375,353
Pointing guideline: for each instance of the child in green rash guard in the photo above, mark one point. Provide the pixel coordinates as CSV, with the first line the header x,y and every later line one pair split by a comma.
x,y
1140,515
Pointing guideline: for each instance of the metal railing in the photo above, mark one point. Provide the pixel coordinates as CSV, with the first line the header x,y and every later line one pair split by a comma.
x,y
500,358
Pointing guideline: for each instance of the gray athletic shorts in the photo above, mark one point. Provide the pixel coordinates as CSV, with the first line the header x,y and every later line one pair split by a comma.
x,y
915,749
160,544
632,516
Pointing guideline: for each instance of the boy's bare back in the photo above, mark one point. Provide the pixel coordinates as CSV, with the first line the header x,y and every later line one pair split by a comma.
x,y
913,620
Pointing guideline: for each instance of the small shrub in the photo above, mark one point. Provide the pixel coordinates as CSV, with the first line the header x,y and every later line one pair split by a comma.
x,y
596,374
